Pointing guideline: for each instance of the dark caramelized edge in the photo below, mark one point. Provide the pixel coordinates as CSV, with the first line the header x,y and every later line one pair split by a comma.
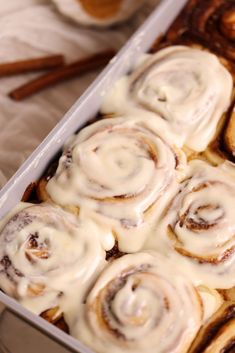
x,y
211,330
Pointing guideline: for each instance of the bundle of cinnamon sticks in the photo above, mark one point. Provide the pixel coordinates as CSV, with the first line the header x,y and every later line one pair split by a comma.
x,y
58,71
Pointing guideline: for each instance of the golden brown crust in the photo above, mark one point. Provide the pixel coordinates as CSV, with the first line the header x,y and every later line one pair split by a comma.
x,y
223,146
217,335
55,317
114,253
229,135
41,190
209,25
228,294
30,193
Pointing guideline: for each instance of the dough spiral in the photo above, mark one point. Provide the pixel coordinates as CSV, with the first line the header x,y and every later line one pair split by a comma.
x,y
118,170
187,90
198,228
140,304
217,335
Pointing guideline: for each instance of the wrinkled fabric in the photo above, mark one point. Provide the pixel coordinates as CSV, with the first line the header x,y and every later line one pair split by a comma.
x,y
32,28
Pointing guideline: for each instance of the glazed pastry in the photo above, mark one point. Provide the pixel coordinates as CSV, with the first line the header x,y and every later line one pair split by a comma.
x,y
56,318
210,22
45,255
118,170
198,229
217,335
139,304
98,12
187,90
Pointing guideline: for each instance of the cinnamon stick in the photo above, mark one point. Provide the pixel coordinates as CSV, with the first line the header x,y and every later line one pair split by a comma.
x,y
61,74
29,65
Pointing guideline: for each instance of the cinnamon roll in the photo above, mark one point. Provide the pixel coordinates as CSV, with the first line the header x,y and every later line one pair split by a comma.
x,y
198,228
140,303
118,170
46,254
217,335
186,89
210,22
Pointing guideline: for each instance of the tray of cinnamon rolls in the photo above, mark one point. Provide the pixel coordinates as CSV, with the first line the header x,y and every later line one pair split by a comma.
x,y
118,234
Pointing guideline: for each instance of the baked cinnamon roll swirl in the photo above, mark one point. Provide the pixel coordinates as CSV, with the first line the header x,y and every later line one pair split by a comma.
x,y
218,334
140,304
210,22
186,89
198,228
118,170
45,255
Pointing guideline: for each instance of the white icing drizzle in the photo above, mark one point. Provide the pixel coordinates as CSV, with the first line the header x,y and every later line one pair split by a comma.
x,y
140,304
47,255
198,230
187,89
118,169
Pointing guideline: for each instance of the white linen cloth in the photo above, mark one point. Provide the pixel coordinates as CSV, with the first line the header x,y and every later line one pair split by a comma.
x,y
32,28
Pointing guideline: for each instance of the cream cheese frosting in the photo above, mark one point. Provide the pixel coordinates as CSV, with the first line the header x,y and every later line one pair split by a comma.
x,y
120,171
198,228
187,89
46,255
138,303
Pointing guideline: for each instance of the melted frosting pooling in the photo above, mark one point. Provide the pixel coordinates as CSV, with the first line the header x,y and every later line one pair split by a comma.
x,y
198,230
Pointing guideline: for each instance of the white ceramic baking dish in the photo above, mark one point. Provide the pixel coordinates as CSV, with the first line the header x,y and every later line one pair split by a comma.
x,y
83,110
